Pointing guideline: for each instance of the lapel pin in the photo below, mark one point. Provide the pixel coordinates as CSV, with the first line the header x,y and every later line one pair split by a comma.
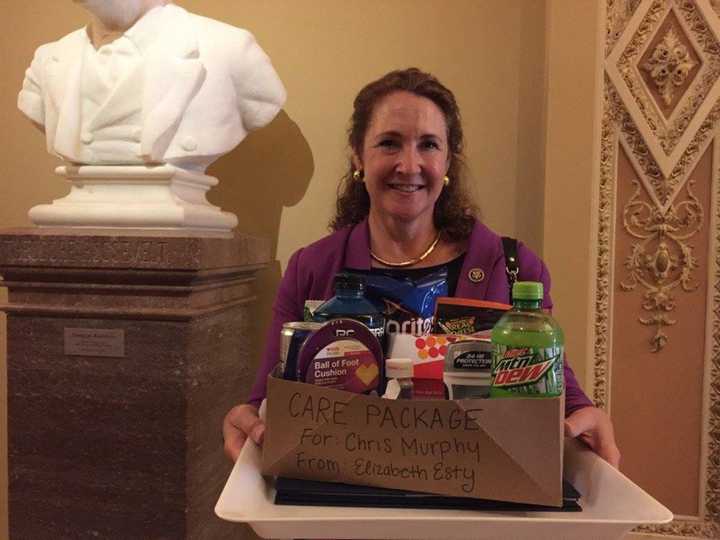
x,y
476,275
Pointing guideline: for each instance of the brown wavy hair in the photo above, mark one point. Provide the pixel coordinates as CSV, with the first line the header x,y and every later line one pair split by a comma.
x,y
454,213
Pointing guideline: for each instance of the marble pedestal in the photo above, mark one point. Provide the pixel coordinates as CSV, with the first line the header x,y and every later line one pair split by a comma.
x,y
124,353
150,197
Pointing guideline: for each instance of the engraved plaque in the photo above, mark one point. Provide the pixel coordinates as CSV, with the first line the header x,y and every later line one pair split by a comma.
x,y
95,342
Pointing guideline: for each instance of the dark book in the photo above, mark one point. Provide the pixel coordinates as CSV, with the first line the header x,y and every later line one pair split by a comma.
x,y
291,491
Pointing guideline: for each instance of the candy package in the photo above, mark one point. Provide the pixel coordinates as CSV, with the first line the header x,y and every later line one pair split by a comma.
x,y
466,316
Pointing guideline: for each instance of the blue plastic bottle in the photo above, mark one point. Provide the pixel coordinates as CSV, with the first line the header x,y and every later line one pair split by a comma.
x,y
350,302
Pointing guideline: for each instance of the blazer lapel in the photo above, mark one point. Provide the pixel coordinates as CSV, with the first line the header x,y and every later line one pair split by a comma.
x,y
357,250
123,100
174,75
479,261
64,71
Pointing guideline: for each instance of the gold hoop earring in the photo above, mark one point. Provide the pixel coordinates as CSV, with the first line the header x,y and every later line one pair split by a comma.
x,y
446,181
357,176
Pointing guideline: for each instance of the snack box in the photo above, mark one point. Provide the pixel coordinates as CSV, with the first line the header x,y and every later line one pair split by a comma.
x,y
427,352
508,449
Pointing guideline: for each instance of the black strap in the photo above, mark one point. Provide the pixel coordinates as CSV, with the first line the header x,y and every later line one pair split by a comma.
x,y
511,261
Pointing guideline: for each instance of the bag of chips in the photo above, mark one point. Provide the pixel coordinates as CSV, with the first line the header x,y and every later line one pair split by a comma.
x,y
407,304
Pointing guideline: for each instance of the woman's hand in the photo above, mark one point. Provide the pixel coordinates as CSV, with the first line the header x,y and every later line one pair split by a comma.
x,y
594,428
241,422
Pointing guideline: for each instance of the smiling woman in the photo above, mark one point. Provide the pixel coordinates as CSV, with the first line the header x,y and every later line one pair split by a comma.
x,y
402,205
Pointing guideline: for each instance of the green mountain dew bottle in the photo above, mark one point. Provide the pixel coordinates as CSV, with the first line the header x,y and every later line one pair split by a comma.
x,y
527,348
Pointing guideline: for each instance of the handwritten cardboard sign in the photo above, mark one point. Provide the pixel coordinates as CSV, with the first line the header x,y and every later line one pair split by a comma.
x,y
501,449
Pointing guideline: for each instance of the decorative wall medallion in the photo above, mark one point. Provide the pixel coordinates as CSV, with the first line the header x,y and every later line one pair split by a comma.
x,y
669,52
662,259
669,65
667,129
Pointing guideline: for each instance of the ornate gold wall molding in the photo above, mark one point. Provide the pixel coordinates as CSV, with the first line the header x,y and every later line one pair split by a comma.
x,y
670,221
659,38
612,114
664,132
668,130
712,489
616,118
617,16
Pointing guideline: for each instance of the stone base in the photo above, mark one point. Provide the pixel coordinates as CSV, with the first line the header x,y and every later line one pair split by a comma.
x,y
161,197
124,354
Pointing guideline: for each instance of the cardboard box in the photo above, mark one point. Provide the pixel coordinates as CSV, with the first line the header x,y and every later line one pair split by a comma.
x,y
502,449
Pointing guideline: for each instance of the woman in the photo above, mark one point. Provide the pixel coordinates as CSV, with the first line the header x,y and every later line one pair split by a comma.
x,y
403,205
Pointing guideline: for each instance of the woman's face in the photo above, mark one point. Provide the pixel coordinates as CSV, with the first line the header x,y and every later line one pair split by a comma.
x,y
404,157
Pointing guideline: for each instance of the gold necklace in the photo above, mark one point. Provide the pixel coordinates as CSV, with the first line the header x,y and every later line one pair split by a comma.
x,y
427,252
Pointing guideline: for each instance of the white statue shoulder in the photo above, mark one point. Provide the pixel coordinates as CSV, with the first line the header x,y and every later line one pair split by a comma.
x,y
188,67
30,98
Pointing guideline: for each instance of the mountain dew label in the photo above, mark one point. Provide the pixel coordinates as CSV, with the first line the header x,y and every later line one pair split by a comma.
x,y
527,371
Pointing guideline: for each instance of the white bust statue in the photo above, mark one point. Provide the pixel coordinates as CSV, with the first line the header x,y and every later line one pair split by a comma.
x,y
146,93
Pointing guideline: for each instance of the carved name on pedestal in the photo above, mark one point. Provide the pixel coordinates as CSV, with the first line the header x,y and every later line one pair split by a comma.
x,y
105,251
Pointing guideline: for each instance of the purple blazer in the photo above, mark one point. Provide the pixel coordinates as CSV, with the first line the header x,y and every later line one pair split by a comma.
x,y
310,271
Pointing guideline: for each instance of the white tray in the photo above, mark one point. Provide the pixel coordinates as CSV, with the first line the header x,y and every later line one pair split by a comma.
x,y
612,505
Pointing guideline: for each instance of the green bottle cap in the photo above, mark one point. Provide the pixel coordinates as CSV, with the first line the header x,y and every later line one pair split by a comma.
x,y
527,290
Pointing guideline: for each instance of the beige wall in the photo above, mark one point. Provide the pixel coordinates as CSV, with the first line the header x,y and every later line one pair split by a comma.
x,y
282,181
574,72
